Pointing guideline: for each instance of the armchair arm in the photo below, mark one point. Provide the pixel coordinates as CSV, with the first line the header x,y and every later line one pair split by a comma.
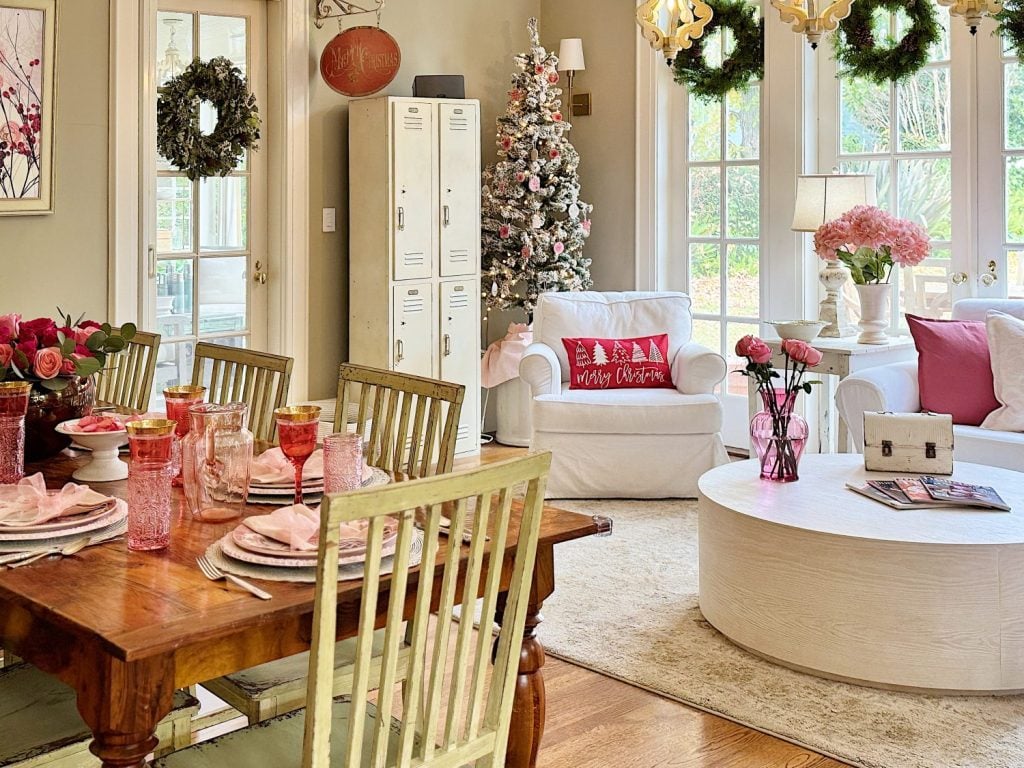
x,y
539,368
697,370
885,388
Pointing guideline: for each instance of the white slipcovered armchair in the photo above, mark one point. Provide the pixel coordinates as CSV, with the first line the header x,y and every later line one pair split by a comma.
x,y
623,443
895,388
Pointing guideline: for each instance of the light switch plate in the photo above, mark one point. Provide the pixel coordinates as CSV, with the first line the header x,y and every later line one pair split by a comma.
x,y
330,220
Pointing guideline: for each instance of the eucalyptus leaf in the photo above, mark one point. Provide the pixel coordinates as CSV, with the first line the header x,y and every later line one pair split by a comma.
x,y
128,331
55,385
87,366
115,344
67,347
96,341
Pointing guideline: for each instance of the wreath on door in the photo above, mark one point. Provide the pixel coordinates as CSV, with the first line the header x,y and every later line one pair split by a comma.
x,y
180,139
860,54
744,65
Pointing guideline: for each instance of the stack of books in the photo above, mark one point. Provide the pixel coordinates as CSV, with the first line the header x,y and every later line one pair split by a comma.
x,y
929,492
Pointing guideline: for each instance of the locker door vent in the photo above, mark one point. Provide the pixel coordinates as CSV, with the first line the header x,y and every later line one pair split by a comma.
x,y
458,300
412,122
456,123
414,258
458,256
413,304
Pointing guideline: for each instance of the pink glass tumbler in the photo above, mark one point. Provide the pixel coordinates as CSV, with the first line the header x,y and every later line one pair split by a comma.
x,y
13,405
179,400
151,443
343,462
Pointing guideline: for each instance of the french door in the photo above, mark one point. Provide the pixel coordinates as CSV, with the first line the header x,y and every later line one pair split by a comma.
x,y
207,239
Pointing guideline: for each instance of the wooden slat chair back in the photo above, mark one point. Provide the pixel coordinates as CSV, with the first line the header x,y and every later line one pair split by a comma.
x,y
258,379
409,424
127,379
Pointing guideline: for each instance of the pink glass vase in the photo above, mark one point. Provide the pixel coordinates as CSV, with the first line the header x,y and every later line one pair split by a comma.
x,y
779,437
216,455
151,443
13,405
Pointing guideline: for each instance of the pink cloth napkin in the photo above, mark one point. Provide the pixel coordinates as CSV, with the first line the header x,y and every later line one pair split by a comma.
x,y
501,360
271,467
29,503
298,526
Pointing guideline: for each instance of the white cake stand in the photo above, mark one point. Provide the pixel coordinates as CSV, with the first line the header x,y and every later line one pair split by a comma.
x,y
106,464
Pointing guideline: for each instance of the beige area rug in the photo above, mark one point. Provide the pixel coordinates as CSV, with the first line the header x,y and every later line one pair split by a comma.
x,y
627,606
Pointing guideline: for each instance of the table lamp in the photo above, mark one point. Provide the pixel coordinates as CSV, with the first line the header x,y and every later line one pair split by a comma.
x,y
571,61
821,198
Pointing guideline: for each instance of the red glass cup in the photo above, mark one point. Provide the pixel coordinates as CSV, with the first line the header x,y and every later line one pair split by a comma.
x,y
297,428
343,462
151,442
179,400
13,406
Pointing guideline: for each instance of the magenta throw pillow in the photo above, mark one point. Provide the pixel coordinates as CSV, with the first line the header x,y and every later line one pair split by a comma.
x,y
954,371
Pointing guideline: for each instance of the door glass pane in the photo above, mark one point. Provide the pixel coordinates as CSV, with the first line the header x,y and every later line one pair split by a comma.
x,y
705,278
174,297
743,112
864,117
744,200
705,202
174,34
743,280
925,290
173,367
1015,274
1014,106
224,36
1015,199
173,214
881,170
708,333
222,294
923,111
224,207
737,385
705,130
926,195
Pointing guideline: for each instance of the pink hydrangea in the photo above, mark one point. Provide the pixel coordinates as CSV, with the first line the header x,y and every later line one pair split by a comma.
x,y
830,237
870,226
910,243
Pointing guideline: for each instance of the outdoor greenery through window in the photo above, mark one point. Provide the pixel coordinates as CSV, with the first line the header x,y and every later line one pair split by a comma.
x,y
724,214
1013,165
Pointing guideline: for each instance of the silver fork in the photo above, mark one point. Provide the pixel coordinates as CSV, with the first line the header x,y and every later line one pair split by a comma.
x,y
213,573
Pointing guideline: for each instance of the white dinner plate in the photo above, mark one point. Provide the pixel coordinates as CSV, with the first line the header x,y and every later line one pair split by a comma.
x,y
232,550
112,516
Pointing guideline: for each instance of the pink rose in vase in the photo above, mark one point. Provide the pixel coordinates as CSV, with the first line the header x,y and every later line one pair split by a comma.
x,y
9,327
48,362
6,353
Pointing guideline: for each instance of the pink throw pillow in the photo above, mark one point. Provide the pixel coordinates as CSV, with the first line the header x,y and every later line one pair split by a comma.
x,y
638,363
954,371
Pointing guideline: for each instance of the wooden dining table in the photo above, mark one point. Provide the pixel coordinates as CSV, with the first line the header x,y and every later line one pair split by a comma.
x,y
126,629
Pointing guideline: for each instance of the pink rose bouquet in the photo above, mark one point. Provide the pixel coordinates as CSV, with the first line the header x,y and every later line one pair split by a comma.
x,y
49,352
870,241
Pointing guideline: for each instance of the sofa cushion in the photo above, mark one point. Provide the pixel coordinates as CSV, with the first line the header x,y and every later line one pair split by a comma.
x,y
985,446
637,363
627,412
611,316
954,372
1006,346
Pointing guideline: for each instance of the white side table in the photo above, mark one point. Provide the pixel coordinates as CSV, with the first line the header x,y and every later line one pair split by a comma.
x,y
842,357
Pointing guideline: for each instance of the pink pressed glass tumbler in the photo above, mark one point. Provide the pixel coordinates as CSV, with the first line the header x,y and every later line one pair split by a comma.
x,y
343,462
151,442
13,405
179,400
297,428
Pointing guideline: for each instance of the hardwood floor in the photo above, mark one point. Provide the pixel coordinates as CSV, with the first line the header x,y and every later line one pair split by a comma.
x,y
595,721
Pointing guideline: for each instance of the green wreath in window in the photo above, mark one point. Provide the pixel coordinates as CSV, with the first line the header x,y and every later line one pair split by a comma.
x,y
860,54
1011,25
744,65
179,137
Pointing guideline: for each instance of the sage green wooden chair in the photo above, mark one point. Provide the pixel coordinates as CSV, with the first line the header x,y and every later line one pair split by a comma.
x,y
127,381
41,726
258,379
446,720
413,418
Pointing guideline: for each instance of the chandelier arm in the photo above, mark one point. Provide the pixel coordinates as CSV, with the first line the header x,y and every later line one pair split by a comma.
x,y
835,13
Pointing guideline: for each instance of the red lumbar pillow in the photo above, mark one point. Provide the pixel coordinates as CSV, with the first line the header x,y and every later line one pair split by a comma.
x,y
954,371
639,363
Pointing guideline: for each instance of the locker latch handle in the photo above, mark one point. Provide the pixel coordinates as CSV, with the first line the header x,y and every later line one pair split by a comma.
x,y
400,352
401,218
447,345
447,216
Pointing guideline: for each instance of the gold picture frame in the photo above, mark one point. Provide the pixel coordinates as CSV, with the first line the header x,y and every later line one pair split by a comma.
x,y
28,77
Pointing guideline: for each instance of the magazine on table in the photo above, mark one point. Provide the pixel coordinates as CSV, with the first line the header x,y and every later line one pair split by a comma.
x,y
929,492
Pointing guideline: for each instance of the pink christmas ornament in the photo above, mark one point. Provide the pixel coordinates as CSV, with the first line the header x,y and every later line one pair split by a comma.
x,y
504,231
534,183
559,249
554,154
553,78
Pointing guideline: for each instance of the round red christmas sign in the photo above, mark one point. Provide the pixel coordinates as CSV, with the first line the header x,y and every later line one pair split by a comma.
x,y
360,61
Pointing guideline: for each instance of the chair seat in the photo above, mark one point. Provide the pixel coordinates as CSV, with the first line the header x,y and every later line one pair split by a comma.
x,y
627,412
41,726
276,742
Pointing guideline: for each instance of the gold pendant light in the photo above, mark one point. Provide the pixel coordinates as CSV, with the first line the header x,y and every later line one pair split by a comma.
x,y
973,10
684,21
808,20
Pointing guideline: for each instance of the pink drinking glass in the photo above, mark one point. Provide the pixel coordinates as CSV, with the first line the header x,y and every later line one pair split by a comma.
x,y
13,405
297,428
179,399
151,442
343,462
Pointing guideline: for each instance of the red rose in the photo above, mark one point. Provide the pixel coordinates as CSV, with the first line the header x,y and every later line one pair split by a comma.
x,y
34,329
6,353
90,324
754,350
9,327
67,367
28,348
801,352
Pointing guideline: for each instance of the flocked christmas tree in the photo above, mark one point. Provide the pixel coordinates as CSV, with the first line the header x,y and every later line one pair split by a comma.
x,y
534,224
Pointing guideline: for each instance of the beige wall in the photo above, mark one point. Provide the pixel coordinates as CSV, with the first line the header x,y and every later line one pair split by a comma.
x,y
61,259
468,37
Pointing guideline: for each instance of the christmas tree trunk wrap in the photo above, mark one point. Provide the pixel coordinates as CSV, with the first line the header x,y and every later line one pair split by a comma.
x,y
534,223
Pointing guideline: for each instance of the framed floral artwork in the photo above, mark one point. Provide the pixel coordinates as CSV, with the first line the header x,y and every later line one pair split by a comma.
x,y
28,30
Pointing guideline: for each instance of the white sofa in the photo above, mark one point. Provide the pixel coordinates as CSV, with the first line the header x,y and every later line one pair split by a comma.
x,y
894,388
623,443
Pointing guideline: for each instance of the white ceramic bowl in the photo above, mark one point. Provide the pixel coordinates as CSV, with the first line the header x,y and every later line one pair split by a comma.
x,y
801,330
106,464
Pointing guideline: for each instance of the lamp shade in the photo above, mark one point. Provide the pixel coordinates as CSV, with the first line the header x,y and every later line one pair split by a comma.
x,y
821,198
570,55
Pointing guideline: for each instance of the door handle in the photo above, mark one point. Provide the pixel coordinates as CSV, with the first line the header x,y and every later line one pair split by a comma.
x,y
401,218
399,351
958,278
988,278
259,276
447,216
447,345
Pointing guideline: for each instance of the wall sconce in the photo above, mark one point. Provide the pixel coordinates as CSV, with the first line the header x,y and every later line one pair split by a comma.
x,y
571,61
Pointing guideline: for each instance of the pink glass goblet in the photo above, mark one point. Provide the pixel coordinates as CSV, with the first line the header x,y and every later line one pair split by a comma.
x,y
297,428
343,462
13,405
151,442
179,400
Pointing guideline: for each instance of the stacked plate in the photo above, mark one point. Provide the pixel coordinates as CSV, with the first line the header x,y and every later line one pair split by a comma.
x,y
276,493
97,521
248,546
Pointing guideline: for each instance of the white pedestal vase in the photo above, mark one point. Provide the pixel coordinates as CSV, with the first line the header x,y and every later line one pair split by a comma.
x,y
874,313
833,307
515,423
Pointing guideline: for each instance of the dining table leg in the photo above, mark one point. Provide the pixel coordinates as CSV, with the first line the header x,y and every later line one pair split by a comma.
x,y
529,704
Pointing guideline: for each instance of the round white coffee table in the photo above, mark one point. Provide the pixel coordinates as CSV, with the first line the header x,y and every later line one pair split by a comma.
x,y
816,577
